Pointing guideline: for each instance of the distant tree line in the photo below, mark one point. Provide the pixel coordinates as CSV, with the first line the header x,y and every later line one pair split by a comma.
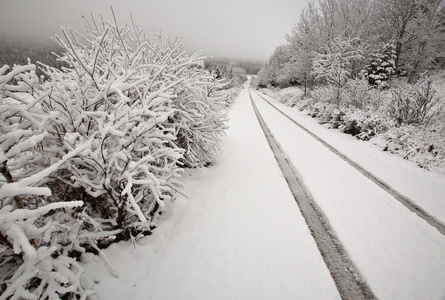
x,y
233,73
251,67
338,39
15,51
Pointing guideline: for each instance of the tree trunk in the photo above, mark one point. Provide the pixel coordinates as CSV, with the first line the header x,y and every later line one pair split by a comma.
x,y
338,95
433,26
338,88
399,44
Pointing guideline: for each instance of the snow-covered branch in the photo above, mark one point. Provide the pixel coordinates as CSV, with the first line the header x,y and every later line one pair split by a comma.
x,y
111,132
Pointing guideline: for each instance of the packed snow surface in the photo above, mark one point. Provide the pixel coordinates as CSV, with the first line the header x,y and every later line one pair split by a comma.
x,y
399,254
240,235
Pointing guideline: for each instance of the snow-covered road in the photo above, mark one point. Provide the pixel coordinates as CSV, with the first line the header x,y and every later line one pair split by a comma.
x,y
426,189
240,235
399,254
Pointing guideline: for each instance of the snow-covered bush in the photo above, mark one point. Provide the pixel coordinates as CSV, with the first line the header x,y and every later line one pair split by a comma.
x,y
335,64
229,96
361,123
116,98
37,253
415,104
200,118
22,127
323,93
111,133
357,93
425,147
364,124
145,107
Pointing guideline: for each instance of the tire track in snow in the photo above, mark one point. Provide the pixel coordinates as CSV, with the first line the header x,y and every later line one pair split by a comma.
x,y
346,276
408,203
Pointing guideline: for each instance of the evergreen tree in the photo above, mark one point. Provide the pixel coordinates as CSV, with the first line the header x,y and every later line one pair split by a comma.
x,y
382,64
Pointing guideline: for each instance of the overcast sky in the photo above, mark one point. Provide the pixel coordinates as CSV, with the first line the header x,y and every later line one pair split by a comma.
x,y
246,29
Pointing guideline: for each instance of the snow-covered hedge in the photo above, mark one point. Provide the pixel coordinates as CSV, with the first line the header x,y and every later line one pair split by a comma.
x,y
423,146
92,153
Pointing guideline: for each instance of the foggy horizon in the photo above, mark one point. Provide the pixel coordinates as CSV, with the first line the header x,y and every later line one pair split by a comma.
x,y
248,30
42,41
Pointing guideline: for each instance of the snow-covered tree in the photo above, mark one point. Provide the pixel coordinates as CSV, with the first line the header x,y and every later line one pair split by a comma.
x,y
335,66
236,75
417,27
278,72
428,38
302,67
382,64
322,21
265,76
232,73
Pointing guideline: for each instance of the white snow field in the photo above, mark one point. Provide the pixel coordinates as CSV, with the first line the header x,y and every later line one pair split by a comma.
x,y
240,235
399,254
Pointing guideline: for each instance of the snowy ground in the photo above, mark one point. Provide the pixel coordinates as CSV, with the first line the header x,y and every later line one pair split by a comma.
x,y
240,234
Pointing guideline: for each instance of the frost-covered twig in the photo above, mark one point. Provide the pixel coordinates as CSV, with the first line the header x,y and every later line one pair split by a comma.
x,y
25,186
114,130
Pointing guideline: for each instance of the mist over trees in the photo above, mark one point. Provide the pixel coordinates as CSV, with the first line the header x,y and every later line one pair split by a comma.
x,y
17,51
413,30
234,72
251,67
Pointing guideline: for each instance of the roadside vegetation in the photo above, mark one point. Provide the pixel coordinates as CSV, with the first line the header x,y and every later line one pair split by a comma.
x,y
92,148
373,69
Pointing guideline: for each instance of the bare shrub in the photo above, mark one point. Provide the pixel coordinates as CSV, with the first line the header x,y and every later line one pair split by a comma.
x,y
415,104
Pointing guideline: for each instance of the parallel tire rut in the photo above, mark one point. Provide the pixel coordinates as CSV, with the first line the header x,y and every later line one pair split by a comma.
x,y
408,203
345,274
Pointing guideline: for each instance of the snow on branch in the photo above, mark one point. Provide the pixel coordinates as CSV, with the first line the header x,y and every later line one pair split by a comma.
x,y
335,65
109,136
24,186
